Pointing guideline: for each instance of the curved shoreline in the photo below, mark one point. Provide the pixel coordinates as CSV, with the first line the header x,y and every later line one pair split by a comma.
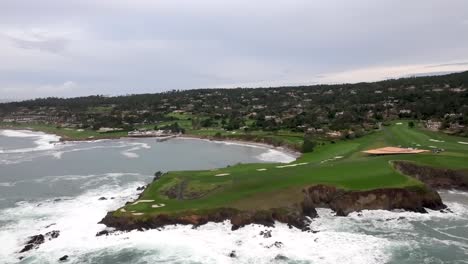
x,y
283,149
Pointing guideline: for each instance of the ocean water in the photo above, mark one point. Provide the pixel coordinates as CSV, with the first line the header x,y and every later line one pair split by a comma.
x,y
46,185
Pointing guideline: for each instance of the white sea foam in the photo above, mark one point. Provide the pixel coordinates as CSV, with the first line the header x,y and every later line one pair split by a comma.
x,y
7,184
43,141
340,239
273,155
77,218
130,153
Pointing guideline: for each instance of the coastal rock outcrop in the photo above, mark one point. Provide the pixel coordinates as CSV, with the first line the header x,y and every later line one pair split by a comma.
x,y
298,215
295,216
36,240
344,202
436,178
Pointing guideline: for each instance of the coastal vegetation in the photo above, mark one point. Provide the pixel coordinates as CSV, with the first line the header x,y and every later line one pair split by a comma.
x,y
324,111
330,124
343,165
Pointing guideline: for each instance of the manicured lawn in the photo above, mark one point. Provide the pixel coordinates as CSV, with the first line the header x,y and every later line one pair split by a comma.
x,y
342,164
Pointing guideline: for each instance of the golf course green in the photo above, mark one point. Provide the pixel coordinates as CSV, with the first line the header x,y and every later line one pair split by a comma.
x,y
341,164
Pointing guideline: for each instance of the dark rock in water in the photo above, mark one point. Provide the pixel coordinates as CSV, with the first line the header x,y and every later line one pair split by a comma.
x,y
401,218
52,234
233,254
141,188
50,225
446,210
20,258
35,241
63,258
281,257
102,199
266,233
103,232
112,198
57,200
277,244
27,248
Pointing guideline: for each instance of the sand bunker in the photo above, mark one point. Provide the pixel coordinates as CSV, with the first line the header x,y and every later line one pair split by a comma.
x,y
435,140
137,213
394,150
462,142
261,169
158,205
123,210
222,174
142,201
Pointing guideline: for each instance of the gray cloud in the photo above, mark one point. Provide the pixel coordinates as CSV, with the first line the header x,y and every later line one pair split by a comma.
x,y
132,46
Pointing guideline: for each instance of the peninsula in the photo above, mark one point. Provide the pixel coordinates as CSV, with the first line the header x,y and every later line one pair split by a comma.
x,y
382,145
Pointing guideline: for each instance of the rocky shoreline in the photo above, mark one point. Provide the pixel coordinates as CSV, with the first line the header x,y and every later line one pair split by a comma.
x,y
298,215
437,178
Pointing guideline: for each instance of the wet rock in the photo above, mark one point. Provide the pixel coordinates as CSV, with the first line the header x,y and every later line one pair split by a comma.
x,y
446,210
63,258
344,202
266,233
281,257
141,188
102,198
57,200
104,232
233,254
401,218
277,244
52,234
33,243
437,178
50,225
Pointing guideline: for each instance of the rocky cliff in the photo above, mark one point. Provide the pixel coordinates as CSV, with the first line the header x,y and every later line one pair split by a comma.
x,y
294,216
344,202
436,178
341,201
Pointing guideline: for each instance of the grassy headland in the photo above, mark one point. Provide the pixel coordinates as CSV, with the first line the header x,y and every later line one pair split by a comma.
x,y
263,186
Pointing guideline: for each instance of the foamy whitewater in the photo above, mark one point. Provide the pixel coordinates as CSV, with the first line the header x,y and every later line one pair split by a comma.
x,y
41,191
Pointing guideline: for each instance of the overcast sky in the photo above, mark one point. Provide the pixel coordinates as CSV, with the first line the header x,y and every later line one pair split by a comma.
x,y
81,47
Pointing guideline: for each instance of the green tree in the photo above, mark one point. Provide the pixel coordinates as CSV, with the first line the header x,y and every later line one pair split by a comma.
x,y
308,145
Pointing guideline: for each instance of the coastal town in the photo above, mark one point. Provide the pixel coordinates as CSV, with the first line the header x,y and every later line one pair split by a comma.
x,y
332,111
